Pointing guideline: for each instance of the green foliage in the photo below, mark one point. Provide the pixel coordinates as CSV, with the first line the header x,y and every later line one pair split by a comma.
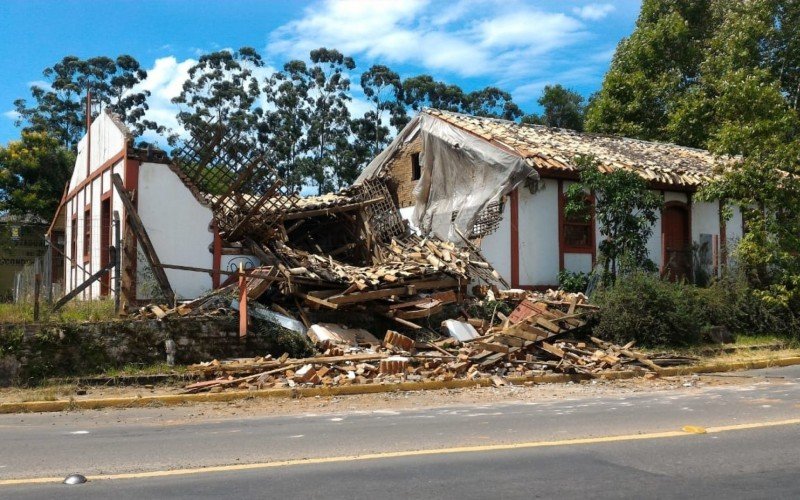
x,y
221,87
33,172
625,211
642,307
563,108
573,282
297,117
278,340
76,311
710,73
656,312
59,108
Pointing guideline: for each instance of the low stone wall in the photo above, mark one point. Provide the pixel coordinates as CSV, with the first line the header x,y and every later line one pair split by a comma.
x,y
30,352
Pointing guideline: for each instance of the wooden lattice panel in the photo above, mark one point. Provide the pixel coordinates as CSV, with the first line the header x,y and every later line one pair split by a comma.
x,y
244,192
383,217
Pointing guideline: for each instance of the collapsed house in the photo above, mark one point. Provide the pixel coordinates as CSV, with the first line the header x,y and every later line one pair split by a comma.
x,y
341,269
502,183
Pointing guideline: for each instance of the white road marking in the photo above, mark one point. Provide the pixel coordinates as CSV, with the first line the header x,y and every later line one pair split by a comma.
x,y
79,432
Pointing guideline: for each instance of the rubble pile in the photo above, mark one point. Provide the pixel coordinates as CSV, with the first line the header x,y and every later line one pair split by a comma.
x,y
379,303
531,341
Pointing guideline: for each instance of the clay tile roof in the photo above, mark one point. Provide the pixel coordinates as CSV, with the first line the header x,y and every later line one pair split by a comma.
x,y
554,149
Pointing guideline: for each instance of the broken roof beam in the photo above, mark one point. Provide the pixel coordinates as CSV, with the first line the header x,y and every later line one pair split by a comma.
x,y
135,223
331,210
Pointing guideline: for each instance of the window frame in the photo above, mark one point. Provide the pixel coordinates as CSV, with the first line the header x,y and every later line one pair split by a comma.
x,y
588,224
416,167
73,243
87,234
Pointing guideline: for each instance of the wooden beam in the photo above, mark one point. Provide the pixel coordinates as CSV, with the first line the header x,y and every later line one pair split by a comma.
x,y
83,286
144,239
330,210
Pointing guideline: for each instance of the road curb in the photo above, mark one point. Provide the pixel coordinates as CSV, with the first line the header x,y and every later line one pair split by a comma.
x,y
222,397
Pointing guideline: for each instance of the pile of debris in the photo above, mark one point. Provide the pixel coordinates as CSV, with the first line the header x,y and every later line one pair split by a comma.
x,y
530,341
331,259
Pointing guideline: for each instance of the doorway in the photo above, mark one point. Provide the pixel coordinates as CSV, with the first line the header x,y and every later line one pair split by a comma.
x,y
676,241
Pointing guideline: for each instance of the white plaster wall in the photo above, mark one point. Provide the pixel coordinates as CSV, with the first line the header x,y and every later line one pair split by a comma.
x,y
577,263
230,263
654,242
675,196
107,141
705,219
496,247
538,234
178,226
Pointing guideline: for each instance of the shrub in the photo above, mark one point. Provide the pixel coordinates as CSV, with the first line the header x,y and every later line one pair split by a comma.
x,y
573,282
641,306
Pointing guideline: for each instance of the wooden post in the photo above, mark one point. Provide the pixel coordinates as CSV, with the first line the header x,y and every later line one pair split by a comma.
x,y
141,235
117,262
37,285
242,303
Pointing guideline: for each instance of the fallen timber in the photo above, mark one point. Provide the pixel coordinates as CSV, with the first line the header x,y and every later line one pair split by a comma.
x,y
332,266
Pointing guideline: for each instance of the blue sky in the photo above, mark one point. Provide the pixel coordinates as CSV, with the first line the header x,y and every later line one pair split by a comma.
x,y
517,45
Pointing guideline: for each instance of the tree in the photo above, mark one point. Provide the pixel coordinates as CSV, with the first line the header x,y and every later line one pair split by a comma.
x,y
736,105
283,128
221,88
59,108
33,173
329,120
652,68
625,210
423,91
491,102
563,108
384,90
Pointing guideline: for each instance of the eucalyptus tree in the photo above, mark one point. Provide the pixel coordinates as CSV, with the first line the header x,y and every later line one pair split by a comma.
x,y
58,105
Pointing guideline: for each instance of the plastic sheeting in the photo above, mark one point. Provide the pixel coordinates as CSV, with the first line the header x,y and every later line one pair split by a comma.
x,y
461,173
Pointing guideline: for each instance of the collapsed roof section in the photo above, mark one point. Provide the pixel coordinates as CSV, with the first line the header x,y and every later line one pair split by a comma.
x,y
349,247
463,176
245,194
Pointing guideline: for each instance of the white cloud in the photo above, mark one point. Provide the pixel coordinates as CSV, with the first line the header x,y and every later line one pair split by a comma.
x,y
41,84
467,38
593,11
164,81
11,114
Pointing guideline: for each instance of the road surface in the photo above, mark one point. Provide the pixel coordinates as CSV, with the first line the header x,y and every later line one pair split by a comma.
x,y
743,441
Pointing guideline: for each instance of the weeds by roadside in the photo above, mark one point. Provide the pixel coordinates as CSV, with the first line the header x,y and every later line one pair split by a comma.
x,y
73,312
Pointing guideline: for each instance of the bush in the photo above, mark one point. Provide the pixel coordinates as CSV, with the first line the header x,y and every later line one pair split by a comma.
x,y
573,282
641,306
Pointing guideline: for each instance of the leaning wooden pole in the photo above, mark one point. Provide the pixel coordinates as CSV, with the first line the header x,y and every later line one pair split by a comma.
x,y
135,223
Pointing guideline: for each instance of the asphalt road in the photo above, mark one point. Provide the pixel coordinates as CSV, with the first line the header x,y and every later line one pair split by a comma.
x,y
627,453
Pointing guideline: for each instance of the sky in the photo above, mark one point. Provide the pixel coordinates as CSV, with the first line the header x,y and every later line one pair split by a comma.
x,y
517,45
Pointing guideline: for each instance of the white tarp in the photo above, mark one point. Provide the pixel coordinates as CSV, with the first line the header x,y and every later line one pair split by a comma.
x,y
461,173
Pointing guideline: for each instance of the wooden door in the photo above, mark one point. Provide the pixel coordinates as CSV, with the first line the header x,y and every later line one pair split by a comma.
x,y
677,242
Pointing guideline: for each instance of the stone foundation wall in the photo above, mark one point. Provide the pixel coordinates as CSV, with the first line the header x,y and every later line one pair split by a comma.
x,y
30,352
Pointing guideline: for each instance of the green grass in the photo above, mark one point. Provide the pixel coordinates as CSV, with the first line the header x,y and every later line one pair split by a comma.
x,y
73,312
135,369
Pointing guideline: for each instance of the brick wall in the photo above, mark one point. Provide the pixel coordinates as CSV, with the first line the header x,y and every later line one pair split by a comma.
x,y
399,169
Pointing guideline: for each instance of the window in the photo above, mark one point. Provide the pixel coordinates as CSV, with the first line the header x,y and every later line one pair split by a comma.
x,y
416,169
87,234
579,230
73,244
